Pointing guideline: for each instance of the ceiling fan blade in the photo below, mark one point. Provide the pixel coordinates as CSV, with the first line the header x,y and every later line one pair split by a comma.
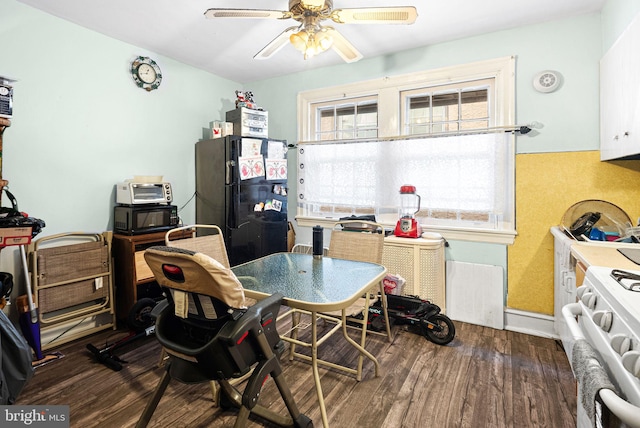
x,y
246,13
312,4
276,44
343,47
375,15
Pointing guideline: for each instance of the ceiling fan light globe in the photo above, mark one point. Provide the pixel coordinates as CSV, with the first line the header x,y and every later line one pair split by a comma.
x,y
299,40
312,47
324,41
310,52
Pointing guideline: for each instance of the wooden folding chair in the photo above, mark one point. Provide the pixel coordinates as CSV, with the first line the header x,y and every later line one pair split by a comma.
x,y
306,249
361,241
205,238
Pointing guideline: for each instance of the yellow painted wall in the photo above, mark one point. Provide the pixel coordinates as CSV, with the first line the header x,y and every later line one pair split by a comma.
x,y
547,184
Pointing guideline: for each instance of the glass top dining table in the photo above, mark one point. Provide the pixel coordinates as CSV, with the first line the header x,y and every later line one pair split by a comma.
x,y
310,283
314,285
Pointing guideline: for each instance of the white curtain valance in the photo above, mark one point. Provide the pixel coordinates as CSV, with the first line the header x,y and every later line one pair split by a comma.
x,y
460,178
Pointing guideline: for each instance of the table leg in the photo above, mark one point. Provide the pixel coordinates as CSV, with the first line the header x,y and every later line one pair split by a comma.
x,y
295,321
363,334
363,352
385,311
314,365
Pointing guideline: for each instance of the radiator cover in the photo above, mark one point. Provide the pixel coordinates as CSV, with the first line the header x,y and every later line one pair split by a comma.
x,y
421,262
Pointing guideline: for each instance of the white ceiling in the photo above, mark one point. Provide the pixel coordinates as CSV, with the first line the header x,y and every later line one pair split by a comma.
x,y
178,29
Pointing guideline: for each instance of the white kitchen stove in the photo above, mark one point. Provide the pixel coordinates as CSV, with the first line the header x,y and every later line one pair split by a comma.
x,y
625,303
608,317
616,312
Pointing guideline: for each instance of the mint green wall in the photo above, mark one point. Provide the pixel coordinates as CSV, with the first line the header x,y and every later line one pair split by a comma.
x,y
616,15
80,124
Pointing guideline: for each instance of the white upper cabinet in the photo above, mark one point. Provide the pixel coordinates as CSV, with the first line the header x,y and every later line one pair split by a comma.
x,y
620,96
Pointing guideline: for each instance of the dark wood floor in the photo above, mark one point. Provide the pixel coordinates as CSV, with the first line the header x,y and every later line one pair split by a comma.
x,y
484,378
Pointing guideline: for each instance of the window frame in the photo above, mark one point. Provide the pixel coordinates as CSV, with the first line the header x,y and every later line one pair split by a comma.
x,y
390,120
431,91
355,102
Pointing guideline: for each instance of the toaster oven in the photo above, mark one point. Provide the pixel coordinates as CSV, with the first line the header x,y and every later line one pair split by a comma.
x,y
132,193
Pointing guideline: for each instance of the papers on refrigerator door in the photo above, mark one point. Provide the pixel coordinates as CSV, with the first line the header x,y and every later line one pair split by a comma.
x,y
251,167
274,205
250,147
276,150
279,190
276,169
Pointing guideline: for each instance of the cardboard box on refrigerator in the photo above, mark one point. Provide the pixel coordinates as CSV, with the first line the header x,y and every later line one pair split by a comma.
x,y
221,129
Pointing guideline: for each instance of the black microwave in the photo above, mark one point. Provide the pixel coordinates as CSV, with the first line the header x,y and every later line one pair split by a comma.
x,y
139,219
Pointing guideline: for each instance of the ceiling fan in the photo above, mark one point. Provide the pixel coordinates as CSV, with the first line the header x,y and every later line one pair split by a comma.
x,y
309,36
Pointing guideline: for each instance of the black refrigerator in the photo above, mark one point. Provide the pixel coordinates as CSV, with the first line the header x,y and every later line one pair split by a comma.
x,y
241,186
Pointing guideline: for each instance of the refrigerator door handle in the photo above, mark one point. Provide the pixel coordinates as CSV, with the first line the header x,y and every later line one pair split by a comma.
x,y
229,176
242,224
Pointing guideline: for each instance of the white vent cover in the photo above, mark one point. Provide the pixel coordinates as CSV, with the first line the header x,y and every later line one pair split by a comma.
x,y
475,293
546,81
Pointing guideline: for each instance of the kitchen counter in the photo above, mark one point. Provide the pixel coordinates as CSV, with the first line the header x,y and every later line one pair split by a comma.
x,y
595,253
603,254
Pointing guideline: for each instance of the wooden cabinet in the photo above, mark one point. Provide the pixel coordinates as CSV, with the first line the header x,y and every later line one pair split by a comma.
x,y
133,278
620,97
581,272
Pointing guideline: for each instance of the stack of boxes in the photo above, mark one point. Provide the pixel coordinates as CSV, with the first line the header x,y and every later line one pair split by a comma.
x,y
244,122
249,123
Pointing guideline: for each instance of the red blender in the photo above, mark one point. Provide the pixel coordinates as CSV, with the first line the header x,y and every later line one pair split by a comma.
x,y
408,226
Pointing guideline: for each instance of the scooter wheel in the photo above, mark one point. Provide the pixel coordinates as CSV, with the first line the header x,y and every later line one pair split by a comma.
x,y
447,333
139,317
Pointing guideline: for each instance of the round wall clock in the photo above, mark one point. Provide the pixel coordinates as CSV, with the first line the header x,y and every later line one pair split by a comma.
x,y
146,73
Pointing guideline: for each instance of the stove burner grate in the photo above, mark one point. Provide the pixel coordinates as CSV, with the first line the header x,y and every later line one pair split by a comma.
x,y
620,276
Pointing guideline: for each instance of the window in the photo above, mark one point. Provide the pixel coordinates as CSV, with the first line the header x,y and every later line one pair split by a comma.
x,y
446,108
357,118
438,130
